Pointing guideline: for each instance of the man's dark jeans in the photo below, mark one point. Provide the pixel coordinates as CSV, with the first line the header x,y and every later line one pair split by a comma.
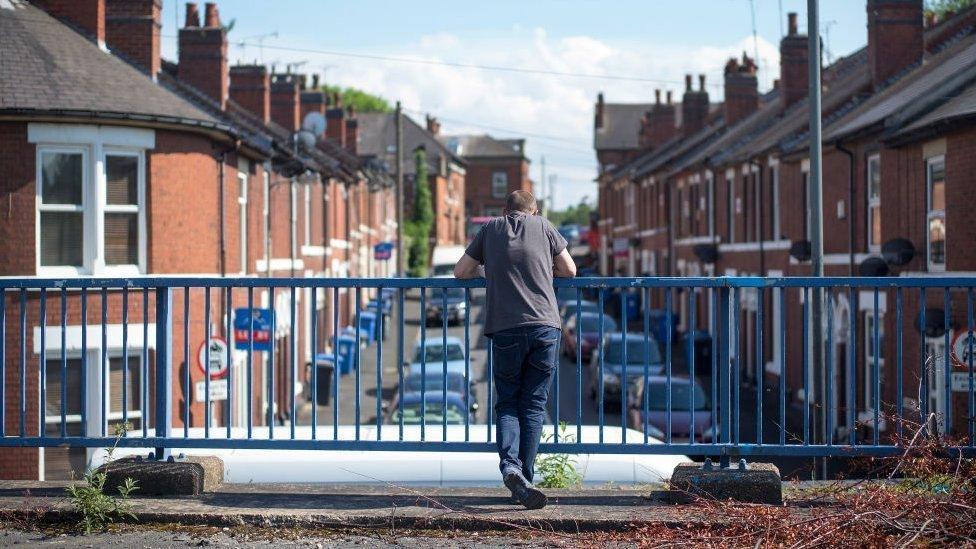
x,y
524,361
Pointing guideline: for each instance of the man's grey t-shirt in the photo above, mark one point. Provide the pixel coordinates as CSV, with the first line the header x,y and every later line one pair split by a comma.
x,y
517,251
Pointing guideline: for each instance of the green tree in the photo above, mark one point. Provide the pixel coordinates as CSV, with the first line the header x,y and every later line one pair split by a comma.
x,y
942,7
421,218
360,100
579,214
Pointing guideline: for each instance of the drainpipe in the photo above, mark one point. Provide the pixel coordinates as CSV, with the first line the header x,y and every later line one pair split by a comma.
x,y
671,219
759,215
850,206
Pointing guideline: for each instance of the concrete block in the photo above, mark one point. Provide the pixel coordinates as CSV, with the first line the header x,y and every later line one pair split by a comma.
x,y
748,483
181,477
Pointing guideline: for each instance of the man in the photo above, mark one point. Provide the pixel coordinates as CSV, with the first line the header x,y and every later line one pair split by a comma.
x,y
521,252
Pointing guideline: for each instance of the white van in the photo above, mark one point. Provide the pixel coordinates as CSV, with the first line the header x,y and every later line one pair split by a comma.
x,y
443,260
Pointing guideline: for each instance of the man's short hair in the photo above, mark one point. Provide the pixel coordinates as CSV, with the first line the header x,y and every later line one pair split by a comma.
x,y
521,201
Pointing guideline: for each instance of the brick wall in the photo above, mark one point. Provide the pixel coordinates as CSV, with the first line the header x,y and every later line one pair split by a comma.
x,y
18,191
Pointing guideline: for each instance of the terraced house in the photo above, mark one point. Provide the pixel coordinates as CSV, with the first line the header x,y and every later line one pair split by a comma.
x,y
694,189
118,163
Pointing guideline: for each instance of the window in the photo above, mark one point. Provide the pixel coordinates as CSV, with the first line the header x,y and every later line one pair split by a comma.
x,y
936,226
631,204
62,208
242,207
874,203
774,203
499,184
730,217
90,199
872,353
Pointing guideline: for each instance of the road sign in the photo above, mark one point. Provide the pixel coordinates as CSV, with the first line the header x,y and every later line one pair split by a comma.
x,y
262,321
218,390
218,357
962,342
960,382
382,251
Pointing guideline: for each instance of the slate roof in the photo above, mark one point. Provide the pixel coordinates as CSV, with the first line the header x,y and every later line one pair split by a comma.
x,y
963,106
483,146
47,67
621,122
377,139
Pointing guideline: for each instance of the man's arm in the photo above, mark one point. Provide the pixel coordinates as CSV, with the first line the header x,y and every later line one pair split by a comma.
x,y
563,265
466,267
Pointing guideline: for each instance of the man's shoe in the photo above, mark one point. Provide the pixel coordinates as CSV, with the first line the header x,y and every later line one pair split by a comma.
x,y
526,494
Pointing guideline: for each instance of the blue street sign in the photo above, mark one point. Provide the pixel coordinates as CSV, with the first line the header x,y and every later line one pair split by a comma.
x,y
263,323
383,250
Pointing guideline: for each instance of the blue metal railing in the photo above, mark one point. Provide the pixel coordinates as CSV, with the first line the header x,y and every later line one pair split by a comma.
x,y
867,374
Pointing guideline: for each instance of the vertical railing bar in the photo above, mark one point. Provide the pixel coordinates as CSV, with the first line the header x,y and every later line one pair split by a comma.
x,y
623,367
899,306
3,364
947,362
229,334
293,346
103,416
400,321
736,374
924,389
852,368
206,357
806,366
337,373
692,329
379,363
163,382
144,367
760,367
782,366
599,351
250,362
42,361
716,315
125,355
876,382
579,368
970,404
313,344
646,319
555,421
64,362
422,318
269,415
186,359
84,362
359,323
467,363
444,363
669,330
829,363
23,362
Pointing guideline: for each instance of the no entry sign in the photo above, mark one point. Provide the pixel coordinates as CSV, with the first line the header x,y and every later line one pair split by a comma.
x,y
217,366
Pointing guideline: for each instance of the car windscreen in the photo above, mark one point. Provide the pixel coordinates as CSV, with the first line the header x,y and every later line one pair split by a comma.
x,y
591,324
412,413
442,270
435,383
635,352
680,396
435,353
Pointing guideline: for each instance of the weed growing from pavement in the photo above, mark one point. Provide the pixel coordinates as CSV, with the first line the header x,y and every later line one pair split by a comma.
x,y
96,508
559,470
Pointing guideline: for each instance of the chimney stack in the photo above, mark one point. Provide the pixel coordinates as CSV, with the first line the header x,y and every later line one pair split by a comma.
x,y
433,125
741,89
335,116
313,100
285,105
352,130
600,118
203,53
694,107
895,37
793,63
88,16
132,28
250,88
658,124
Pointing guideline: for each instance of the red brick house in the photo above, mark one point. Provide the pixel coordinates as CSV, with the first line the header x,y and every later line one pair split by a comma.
x,y
731,199
120,164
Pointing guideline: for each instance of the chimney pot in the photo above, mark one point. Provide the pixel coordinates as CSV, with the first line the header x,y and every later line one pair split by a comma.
x,y
192,15
212,16
657,97
791,17
687,82
701,82
315,82
669,97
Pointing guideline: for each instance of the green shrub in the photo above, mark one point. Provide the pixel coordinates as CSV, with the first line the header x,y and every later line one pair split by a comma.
x,y
96,508
559,470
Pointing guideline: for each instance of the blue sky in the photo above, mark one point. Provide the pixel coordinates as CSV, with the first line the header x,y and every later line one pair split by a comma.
x,y
650,39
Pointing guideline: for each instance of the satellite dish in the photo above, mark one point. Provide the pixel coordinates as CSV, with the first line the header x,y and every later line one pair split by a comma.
x,y
314,123
306,140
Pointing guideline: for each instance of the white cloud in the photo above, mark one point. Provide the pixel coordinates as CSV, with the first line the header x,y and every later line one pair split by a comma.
x,y
536,105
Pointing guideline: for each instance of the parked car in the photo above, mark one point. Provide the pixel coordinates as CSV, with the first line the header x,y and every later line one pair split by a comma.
x,y
430,406
589,330
564,295
639,353
569,309
457,309
435,383
433,356
682,389
571,232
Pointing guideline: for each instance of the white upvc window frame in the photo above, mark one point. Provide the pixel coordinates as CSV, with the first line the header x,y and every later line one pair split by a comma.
x,y
934,214
242,217
870,321
872,200
95,143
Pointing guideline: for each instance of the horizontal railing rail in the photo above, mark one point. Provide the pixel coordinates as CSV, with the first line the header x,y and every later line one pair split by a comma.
x,y
718,366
